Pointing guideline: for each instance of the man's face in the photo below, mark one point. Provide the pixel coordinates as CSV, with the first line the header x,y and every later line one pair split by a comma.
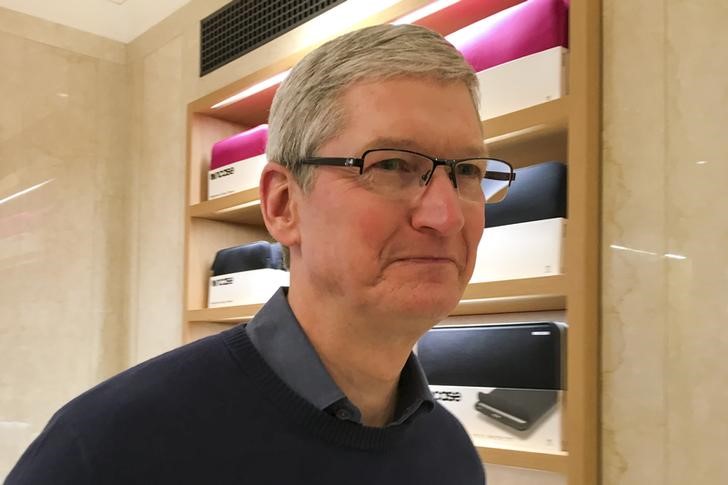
x,y
383,256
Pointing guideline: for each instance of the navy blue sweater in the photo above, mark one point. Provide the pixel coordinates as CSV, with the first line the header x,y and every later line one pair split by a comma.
x,y
213,412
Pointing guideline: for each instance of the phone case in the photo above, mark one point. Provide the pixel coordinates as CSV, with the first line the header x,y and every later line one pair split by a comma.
x,y
517,408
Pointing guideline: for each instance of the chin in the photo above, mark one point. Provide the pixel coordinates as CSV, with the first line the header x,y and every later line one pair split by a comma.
x,y
429,303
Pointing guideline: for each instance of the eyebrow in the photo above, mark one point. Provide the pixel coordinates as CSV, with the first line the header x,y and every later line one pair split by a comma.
x,y
409,144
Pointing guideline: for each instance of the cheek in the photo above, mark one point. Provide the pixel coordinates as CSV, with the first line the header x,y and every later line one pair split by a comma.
x,y
355,233
373,226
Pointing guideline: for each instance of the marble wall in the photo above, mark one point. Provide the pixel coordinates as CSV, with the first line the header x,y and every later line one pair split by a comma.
x,y
665,264
63,258
157,178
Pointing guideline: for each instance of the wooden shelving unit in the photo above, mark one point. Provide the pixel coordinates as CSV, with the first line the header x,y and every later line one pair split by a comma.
x,y
563,129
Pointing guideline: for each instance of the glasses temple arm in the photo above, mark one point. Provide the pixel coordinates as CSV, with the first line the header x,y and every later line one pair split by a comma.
x,y
500,176
334,161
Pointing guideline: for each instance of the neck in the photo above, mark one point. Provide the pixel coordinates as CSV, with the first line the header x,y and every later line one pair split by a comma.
x,y
364,361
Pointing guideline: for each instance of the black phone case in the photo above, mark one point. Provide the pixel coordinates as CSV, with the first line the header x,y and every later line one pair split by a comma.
x,y
517,408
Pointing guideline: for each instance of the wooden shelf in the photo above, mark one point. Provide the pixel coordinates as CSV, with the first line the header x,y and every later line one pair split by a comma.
x,y
527,303
519,125
522,295
528,294
543,285
551,462
241,207
228,314
532,135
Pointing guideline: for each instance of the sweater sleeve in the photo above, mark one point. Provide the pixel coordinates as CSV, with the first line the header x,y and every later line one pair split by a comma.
x,y
57,456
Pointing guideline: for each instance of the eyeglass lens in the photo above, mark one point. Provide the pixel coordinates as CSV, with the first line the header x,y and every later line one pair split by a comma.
x,y
404,174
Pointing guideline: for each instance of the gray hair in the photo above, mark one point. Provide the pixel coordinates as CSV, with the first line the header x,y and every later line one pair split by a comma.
x,y
305,113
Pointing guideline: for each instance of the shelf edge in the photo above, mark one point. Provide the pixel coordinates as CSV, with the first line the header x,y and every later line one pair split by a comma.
x,y
542,285
550,462
551,114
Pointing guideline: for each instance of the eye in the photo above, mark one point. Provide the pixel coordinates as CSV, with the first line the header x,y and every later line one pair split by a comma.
x,y
393,164
468,170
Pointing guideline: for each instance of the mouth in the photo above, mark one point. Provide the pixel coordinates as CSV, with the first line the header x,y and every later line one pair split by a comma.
x,y
427,260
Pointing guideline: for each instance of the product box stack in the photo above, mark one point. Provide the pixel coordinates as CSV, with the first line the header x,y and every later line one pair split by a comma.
x,y
520,55
237,162
247,274
525,234
505,383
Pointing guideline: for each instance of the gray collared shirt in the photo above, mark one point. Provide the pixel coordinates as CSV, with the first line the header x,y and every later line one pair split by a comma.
x,y
280,340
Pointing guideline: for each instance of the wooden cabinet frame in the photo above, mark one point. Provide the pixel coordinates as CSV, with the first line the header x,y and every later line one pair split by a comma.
x,y
570,124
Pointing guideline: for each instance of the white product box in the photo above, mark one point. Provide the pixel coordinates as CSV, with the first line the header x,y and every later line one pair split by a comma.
x,y
524,250
245,287
523,82
235,177
497,426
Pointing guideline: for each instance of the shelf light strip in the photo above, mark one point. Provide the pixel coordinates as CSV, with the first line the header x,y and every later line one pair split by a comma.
x,y
254,89
425,11
411,17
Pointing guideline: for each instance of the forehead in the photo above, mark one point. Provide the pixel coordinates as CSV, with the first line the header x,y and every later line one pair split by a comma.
x,y
421,114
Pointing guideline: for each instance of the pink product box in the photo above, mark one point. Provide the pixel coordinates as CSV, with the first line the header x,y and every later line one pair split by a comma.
x,y
237,162
527,28
238,147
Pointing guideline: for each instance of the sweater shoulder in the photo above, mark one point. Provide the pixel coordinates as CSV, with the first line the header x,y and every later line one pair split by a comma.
x,y
166,382
449,422
153,406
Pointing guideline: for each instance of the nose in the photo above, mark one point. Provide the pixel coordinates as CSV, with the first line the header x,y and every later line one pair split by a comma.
x,y
439,207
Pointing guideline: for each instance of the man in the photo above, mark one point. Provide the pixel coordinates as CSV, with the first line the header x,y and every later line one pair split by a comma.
x,y
321,387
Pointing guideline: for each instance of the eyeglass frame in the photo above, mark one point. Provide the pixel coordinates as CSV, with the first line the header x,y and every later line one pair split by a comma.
x,y
436,162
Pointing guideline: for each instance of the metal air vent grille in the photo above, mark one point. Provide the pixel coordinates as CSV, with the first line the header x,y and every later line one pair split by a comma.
x,y
243,25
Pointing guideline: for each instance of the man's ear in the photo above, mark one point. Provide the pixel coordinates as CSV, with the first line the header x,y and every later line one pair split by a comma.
x,y
279,194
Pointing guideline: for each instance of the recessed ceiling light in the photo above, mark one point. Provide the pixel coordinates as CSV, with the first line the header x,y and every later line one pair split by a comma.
x,y
702,162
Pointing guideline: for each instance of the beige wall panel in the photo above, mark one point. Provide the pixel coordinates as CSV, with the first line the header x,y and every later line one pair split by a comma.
x,y
634,428
62,244
67,38
158,203
665,384
696,203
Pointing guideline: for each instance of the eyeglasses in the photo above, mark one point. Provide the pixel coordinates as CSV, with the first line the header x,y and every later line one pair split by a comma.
x,y
404,173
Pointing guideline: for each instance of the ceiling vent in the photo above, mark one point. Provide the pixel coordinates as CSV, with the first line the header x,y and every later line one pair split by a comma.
x,y
243,25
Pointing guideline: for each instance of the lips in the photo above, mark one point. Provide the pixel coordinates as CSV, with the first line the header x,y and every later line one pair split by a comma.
x,y
427,259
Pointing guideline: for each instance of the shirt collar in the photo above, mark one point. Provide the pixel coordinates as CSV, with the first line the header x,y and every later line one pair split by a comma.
x,y
413,393
279,338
